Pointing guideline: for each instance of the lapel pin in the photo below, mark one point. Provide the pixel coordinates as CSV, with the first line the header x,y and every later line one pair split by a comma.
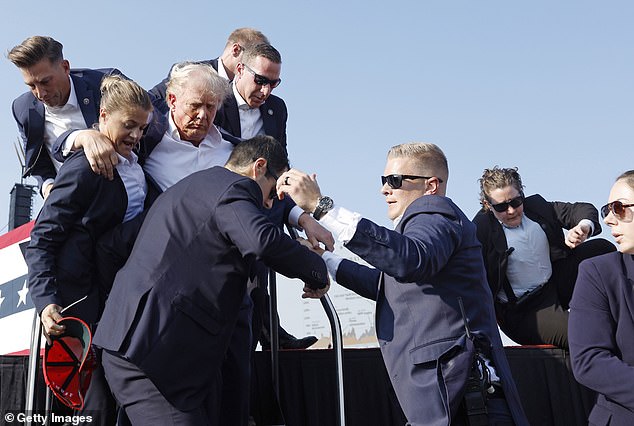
x,y
86,101
270,111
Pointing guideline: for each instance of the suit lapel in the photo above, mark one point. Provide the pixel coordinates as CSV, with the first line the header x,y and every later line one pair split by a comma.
x,y
36,123
232,116
497,235
86,100
268,120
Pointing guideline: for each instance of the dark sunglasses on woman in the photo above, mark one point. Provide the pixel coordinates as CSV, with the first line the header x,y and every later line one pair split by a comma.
x,y
616,207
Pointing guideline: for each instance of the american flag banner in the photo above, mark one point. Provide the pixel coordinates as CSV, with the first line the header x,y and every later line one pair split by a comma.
x,y
16,307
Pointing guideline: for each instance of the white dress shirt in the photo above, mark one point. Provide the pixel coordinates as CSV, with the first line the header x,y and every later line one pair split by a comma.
x,y
251,123
173,158
135,186
221,70
59,119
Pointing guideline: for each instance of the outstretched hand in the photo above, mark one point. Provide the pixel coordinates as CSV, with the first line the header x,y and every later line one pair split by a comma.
x,y
99,151
577,235
316,234
302,188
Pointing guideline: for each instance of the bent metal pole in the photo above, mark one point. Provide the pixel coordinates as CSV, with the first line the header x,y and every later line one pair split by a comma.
x,y
337,341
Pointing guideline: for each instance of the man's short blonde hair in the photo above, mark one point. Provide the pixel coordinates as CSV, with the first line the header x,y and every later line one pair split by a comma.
x,y
429,156
246,37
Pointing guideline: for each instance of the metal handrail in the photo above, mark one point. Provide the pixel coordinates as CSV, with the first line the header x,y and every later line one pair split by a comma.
x,y
32,376
33,368
337,344
335,328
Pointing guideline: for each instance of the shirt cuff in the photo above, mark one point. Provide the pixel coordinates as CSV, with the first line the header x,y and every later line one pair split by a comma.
x,y
67,145
341,222
589,223
293,217
332,262
48,181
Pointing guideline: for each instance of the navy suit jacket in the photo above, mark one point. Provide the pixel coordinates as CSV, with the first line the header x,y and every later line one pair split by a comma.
x,y
28,112
601,335
553,217
79,209
273,111
422,269
174,304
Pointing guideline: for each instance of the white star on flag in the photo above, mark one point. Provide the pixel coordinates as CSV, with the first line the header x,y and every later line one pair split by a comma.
x,y
1,298
22,293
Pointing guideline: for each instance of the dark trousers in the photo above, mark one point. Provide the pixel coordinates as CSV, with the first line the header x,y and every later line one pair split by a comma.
x,y
230,395
142,402
98,401
498,414
543,317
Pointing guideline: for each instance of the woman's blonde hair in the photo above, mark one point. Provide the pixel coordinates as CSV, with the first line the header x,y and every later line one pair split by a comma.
x,y
119,93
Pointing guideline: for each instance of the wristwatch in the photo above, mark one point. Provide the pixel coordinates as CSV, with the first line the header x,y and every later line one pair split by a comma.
x,y
324,205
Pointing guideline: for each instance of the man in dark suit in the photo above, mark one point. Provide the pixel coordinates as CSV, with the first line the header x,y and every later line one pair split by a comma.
x,y
531,268
173,306
252,109
434,314
60,99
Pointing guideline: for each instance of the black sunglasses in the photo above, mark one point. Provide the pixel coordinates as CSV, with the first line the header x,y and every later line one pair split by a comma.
x,y
616,207
396,181
260,80
502,207
273,193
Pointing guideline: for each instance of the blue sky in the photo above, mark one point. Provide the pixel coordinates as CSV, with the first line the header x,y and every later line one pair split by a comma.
x,y
545,86
542,85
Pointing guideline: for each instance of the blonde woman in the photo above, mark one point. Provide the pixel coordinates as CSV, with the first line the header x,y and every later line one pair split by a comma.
x,y
80,208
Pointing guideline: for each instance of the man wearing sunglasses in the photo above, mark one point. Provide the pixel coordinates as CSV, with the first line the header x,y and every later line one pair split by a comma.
x,y
434,313
225,64
531,265
251,109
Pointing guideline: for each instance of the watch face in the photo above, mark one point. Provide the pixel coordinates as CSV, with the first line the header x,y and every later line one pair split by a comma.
x,y
325,203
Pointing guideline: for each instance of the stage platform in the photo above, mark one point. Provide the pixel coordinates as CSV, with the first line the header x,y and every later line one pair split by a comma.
x,y
547,388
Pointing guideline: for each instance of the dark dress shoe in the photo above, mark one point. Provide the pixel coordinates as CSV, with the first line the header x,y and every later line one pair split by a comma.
x,y
289,341
295,343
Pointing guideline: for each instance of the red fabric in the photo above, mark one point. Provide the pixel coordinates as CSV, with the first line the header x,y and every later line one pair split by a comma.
x,y
18,234
69,362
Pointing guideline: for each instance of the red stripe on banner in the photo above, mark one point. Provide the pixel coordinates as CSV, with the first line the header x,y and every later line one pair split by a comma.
x,y
20,233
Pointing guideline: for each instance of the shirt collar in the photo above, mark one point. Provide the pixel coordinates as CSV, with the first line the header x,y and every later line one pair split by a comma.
x,y
128,162
222,72
242,104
